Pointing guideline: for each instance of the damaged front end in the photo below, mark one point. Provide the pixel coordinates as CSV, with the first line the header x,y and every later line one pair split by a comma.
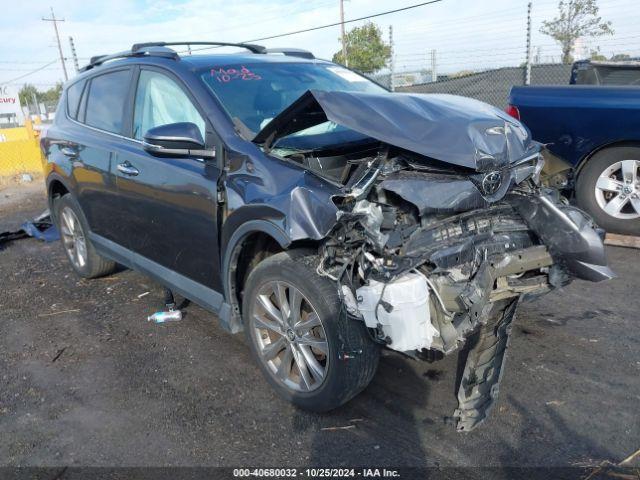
x,y
442,227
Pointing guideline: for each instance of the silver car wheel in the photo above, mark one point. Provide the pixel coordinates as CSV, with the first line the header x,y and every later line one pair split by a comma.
x,y
290,336
617,190
73,237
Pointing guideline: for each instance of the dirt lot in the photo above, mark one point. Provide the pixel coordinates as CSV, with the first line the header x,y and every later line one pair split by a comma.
x,y
85,380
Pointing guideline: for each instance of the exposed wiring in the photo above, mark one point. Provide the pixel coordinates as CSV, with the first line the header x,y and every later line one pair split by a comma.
x,y
435,291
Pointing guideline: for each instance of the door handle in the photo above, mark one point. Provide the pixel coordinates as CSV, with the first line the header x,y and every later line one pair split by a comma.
x,y
69,152
128,169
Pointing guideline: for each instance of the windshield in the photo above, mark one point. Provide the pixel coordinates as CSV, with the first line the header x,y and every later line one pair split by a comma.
x,y
256,93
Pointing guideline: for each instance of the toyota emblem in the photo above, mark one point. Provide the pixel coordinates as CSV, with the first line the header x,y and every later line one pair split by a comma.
x,y
491,183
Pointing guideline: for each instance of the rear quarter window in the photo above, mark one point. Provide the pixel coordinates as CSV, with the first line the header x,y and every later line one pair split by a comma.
x,y
74,92
106,102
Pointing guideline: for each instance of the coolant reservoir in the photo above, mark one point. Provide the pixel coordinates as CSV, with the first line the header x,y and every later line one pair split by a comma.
x,y
409,322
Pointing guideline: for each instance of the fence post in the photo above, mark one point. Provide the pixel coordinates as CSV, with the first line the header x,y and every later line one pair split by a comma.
x,y
527,66
434,71
392,87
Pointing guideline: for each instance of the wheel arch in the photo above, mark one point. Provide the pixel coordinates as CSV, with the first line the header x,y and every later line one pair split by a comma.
x,y
606,146
255,239
56,187
251,243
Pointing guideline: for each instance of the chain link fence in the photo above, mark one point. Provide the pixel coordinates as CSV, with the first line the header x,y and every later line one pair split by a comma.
x,y
490,86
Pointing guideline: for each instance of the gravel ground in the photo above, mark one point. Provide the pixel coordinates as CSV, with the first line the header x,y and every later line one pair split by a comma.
x,y
85,380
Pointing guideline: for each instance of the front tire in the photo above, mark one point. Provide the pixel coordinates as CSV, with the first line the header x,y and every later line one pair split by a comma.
x,y
310,352
74,230
608,187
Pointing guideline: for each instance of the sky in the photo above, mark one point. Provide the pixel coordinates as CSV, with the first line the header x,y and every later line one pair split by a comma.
x,y
466,34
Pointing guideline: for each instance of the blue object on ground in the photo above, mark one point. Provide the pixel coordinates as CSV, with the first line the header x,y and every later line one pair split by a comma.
x,y
40,227
42,230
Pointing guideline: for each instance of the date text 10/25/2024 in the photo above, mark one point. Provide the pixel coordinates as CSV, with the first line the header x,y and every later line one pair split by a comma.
x,y
316,472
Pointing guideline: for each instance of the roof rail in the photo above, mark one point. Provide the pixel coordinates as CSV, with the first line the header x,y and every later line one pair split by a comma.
x,y
292,52
158,52
160,49
249,46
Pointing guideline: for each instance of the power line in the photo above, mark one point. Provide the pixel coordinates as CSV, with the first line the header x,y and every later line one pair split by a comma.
x,y
346,21
31,72
333,24
28,69
21,62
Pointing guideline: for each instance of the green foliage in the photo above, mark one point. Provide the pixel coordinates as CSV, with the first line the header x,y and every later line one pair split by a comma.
x,y
366,49
577,18
618,57
28,94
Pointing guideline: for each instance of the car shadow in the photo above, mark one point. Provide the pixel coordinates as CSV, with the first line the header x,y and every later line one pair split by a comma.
x,y
379,427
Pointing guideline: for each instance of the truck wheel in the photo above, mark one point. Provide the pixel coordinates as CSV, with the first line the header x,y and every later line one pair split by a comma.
x,y
74,235
608,187
308,350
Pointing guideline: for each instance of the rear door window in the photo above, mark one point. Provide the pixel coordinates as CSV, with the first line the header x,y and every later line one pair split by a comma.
x,y
107,100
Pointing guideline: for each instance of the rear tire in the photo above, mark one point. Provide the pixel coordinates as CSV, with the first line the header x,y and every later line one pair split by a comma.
x,y
75,240
333,358
603,191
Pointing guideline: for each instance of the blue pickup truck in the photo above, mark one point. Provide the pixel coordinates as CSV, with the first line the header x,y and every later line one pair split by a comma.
x,y
596,128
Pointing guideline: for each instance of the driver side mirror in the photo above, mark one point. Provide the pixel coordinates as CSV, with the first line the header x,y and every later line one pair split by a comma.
x,y
181,139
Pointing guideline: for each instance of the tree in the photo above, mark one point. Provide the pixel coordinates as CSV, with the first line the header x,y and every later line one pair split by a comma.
x,y
620,57
577,18
366,50
27,94
53,94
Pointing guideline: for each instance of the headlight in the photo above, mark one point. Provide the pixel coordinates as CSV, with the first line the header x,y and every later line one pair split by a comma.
x,y
528,168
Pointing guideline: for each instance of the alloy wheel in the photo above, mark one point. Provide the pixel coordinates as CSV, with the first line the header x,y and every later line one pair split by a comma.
x,y
73,237
617,190
291,339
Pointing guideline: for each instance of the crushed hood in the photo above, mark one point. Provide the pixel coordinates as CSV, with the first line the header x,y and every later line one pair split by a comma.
x,y
448,128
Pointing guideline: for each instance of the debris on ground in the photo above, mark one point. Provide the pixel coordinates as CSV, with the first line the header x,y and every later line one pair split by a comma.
x,y
630,458
165,316
59,312
332,429
41,228
58,354
622,240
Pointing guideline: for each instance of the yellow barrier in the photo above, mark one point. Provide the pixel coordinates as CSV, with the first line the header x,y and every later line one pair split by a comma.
x,y
20,156
12,134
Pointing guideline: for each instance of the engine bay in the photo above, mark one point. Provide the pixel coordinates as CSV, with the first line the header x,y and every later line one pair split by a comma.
x,y
435,260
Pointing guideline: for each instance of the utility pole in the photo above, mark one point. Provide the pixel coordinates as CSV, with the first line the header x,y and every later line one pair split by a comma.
x,y
74,55
342,34
392,65
434,70
527,68
55,27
